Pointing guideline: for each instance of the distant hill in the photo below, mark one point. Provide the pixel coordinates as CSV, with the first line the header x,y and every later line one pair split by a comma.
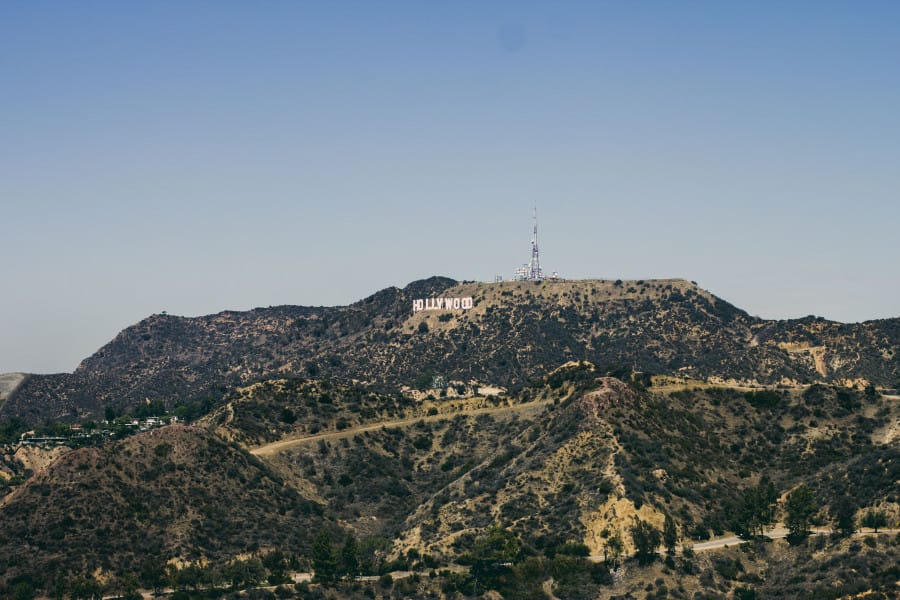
x,y
516,331
177,491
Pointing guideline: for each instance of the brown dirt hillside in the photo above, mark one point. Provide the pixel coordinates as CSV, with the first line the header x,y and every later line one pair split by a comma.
x,y
178,493
515,332
568,474
611,453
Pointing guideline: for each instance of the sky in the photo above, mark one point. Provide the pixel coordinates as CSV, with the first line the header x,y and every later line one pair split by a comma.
x,y
193,157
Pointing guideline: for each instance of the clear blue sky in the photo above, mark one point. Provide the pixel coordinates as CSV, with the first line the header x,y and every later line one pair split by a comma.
x,y
200,156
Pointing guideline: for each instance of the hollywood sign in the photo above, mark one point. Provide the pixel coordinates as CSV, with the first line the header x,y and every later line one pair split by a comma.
x,y
442,304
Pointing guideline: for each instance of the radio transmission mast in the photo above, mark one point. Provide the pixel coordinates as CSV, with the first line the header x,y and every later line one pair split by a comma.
x,y
531,271
534,267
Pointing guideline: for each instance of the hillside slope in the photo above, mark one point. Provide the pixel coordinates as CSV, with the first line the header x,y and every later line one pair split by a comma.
x,y
610,453
590,454
177,493
516,331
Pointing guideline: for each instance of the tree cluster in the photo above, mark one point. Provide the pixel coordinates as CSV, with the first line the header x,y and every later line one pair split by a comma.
x,y
800,507
646,540
756,509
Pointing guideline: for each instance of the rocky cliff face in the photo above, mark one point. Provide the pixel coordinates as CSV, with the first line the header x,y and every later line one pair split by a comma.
x,y
516,331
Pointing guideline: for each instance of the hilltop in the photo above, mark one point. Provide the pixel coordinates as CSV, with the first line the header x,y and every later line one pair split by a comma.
x,y
175,492
516,331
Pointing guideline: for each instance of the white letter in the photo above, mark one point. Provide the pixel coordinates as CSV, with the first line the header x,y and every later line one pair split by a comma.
x,y
467,303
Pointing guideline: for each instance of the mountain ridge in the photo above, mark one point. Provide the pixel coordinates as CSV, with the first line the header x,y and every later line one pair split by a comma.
x,y
515,331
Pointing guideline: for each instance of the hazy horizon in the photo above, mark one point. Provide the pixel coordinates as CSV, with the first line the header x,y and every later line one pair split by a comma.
x,y
194,158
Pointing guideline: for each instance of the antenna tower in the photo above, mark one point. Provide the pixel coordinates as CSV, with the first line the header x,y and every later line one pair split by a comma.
x,y
531,271
534,267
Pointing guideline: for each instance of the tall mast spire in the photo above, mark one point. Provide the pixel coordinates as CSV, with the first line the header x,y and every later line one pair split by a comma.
x,y
534,269
531,271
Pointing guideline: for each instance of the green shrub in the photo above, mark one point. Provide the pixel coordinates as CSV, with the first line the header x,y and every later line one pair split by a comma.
x,y
763,399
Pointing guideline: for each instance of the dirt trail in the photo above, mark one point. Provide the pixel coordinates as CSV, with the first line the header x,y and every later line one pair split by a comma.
x,y
547,587
282,445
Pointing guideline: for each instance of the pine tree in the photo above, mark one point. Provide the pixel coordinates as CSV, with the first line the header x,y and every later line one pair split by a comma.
x,y
670,534
844,512
875,519
768,498
350,556
756,510
613,549
323,558
801,506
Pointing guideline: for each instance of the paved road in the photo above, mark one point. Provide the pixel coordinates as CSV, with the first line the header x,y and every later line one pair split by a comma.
x,y
775,534
282,445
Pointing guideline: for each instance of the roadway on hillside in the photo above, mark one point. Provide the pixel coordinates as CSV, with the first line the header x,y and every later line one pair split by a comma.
x,y
282,445
775,534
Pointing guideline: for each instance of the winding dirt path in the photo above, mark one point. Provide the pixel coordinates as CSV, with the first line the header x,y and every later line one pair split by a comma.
x,y
282,445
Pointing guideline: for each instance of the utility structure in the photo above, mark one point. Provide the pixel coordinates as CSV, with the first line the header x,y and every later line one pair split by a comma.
x,y
532,271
